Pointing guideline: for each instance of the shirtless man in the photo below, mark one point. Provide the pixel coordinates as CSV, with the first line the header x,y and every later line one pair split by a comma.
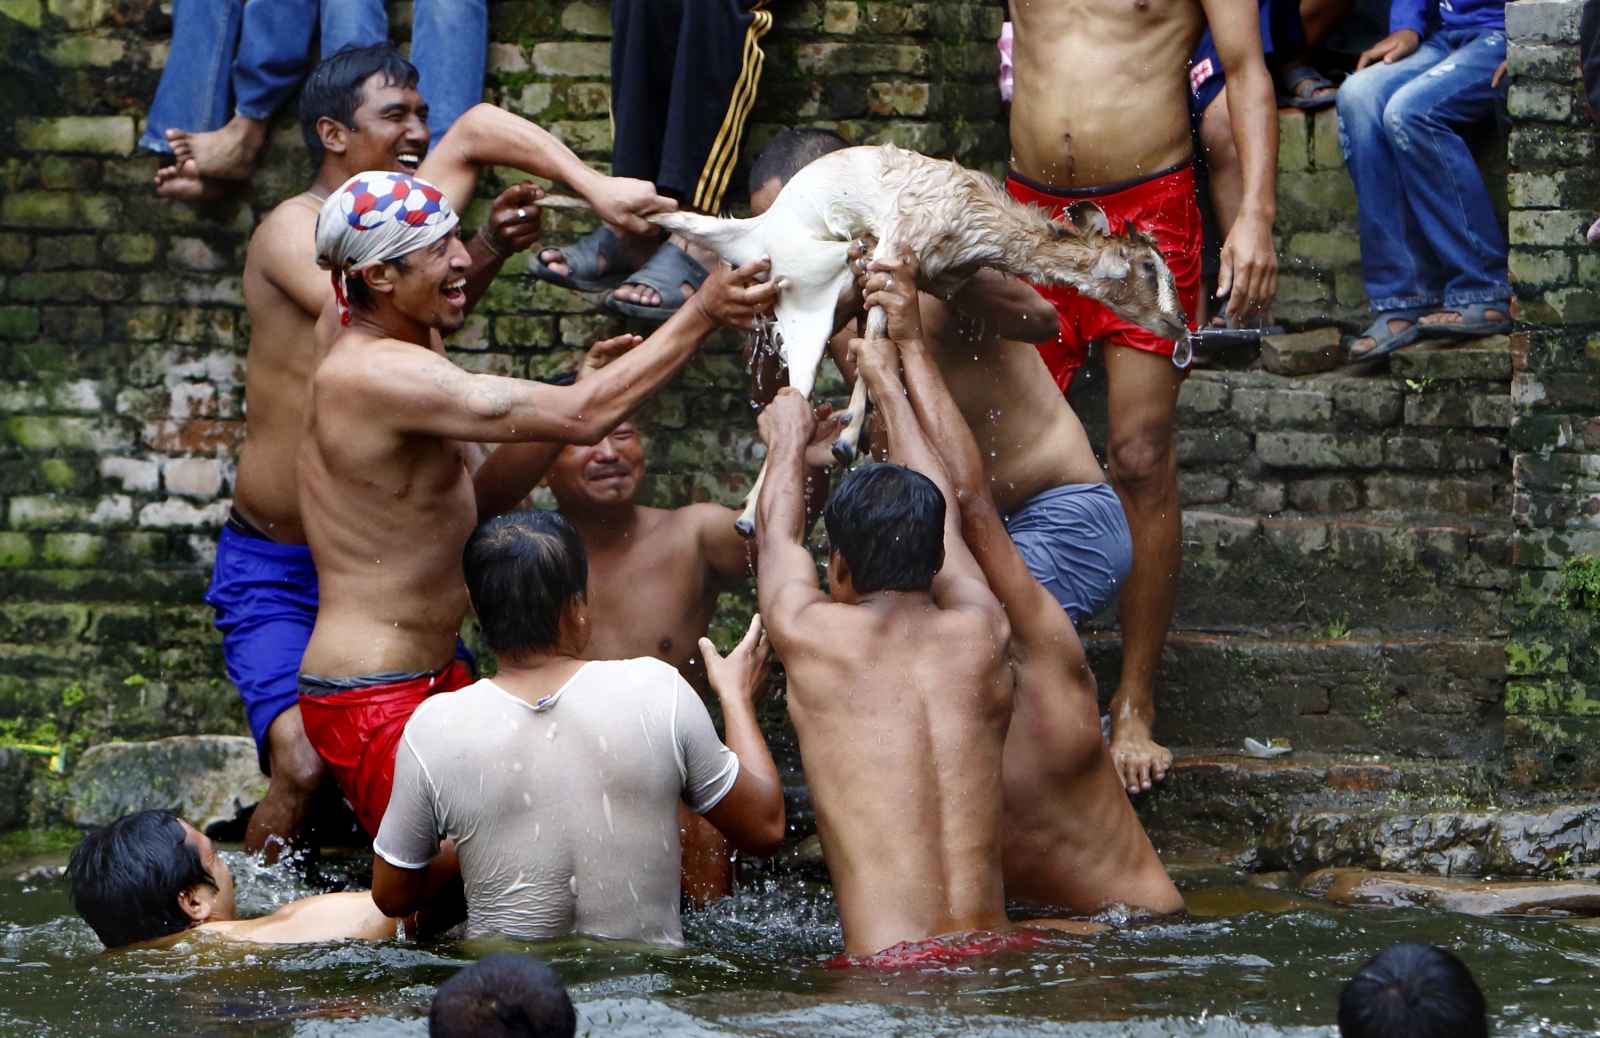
x,y
1101,111
386,496
150,877
360,111
1071,842
1042,471
898,683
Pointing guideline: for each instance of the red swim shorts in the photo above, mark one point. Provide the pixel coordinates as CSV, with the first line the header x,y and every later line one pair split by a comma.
x,y
949,950
1163,206
357,731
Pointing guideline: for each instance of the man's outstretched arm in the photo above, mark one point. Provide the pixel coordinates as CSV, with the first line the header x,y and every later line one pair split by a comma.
x,y
490,136
786,583
1248,275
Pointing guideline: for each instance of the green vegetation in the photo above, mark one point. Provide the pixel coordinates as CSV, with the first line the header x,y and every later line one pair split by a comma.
x,y
1580,584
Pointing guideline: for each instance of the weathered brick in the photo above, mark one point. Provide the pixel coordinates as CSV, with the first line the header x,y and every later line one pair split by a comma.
x,y
193,436
583,136
1295,536
1462,496
898,98
586,329
1324,495
43,512
839,16
839,59
572,59
1535,227
1294,142
27,12
60,209
175,514
1551,102
16,549
105,134
192,477
1203,395
18,322
897,19
1325,248
533,99
587,19
81,14
508,57
1542,21
1304,353
1306,450
136,474
1326,154
1202,488
1275,408
192,254
1463,410
72,549
1486,359
76,324
85,51
1368,402
1542,61
1201,446
1453,453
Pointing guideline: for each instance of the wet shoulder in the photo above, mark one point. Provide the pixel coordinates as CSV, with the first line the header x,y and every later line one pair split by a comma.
x,y
471,713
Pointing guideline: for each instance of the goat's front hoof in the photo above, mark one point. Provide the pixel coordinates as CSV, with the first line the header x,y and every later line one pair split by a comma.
x,y
844,452
745,527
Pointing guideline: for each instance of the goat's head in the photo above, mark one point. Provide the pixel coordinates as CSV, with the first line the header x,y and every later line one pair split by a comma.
x,y
1125,272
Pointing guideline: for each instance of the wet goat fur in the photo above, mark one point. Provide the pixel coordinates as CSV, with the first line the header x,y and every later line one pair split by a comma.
x,y
955,219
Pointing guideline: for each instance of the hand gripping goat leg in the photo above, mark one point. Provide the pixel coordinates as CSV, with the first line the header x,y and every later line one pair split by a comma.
x,y
955,219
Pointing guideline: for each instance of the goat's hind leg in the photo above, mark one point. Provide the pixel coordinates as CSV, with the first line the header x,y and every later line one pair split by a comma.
x,y
746,523
846,446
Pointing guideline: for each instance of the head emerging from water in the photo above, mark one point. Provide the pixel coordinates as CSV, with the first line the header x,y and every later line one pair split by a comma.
x,y
886,525
503,996
528,578
390,241
148,875
1412,991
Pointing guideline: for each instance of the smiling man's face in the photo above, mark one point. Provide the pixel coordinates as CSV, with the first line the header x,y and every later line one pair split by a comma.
x,y
430,284
391,127
608,473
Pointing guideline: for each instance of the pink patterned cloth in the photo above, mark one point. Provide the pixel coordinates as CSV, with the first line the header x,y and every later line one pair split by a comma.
x,y
1005,61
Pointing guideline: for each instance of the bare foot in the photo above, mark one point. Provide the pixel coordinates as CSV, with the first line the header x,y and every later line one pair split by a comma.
x,y
1139,759
1452,317
644,295
226,154
184,181
637,247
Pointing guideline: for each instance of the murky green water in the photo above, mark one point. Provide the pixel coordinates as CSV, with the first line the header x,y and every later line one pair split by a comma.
x,y
1248,962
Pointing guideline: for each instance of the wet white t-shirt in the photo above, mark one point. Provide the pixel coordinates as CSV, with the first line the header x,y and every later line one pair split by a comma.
x,y
564,813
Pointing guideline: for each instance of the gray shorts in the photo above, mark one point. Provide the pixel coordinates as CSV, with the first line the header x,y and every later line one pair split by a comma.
x,y
1075,540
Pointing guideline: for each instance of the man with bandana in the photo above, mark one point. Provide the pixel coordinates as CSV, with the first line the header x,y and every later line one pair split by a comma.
x,y
360,110
387,497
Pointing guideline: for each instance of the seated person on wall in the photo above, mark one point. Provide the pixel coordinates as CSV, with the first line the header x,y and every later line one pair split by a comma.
x,y
360,111
683,79
654,573
899,687
386,494
189,117
1589,64
150,877
1043,474
1070,841
1432,253
503,996
559,780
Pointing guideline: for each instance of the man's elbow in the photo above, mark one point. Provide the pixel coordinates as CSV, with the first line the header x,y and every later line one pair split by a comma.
x,y
763,839
392,903
1040,321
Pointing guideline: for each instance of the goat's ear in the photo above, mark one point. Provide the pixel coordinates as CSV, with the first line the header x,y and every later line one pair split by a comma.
x,y
1112,263
1086,216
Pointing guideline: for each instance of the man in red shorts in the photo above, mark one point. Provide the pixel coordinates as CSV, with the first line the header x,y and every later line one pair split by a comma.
x,y
1100,111
386,494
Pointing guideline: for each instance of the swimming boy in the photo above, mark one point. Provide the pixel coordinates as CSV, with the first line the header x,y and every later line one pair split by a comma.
x,y
150,877
559,780
1070,841
386,497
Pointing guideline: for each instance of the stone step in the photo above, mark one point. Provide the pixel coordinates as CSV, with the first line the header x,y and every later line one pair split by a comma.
x,y
1308,811
1416,697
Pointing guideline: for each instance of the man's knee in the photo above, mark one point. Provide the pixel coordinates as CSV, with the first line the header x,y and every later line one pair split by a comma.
x,y
297,768
1141,459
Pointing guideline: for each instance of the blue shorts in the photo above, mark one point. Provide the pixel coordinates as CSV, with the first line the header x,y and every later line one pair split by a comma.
x,y
1075,541
1280,30
265,595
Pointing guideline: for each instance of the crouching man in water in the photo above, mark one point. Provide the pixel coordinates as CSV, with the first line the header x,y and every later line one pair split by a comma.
x,y
1070,840
150,877
898,687
559,780
386,496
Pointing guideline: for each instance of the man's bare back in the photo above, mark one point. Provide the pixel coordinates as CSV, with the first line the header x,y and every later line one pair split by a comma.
x,y
901,701
1071,841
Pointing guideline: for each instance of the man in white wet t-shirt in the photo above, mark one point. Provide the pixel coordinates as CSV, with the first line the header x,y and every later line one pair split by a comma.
x,y
558,781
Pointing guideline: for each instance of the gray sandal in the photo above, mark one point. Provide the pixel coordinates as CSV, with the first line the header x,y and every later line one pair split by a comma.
x,y
1474,324
666,272
583,263
1386,342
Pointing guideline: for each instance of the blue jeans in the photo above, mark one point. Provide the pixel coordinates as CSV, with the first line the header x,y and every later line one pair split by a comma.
x,y
1428,232
449,45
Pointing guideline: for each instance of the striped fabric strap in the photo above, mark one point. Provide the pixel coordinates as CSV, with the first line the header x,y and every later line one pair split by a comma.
x,y
725,150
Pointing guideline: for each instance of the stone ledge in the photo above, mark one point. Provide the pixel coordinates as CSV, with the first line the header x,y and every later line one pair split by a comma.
x,y
207,779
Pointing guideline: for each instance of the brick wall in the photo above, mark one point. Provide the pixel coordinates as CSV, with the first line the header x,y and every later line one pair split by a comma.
x,y
1553,727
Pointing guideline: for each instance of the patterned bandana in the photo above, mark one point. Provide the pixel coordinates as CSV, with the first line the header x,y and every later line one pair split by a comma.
x,y
376,217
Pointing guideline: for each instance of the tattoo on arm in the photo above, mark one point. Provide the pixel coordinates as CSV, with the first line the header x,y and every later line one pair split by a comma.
x,y
484,397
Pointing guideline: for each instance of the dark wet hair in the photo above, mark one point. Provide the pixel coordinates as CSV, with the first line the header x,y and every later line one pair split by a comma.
x,y
523,569
887,521
1412,991
790,152
333,90
501,996
126,877
359,292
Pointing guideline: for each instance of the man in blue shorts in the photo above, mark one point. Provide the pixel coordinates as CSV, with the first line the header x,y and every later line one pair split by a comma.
x,y
1059,509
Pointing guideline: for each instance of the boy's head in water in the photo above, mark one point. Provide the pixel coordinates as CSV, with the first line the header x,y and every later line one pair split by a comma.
x,y
1412,991
503,996
886,527
148,875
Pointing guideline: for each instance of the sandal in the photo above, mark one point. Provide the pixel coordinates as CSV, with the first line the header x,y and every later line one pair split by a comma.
x,y
1302,88
1385,341
1474,323
583,263
666,272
